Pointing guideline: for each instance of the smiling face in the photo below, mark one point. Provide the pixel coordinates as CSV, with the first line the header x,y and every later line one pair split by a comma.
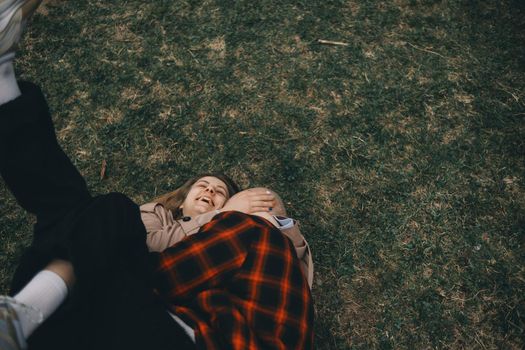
x,y
207,194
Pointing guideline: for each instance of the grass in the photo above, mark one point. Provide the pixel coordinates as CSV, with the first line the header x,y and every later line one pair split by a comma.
x,y
401,154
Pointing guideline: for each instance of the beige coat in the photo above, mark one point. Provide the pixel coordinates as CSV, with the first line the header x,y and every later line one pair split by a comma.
x,y
164,231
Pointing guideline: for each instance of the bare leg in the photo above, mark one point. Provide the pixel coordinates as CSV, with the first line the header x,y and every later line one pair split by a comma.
x,y
64,269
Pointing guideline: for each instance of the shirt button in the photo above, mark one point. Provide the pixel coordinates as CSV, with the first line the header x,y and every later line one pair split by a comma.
x,y
186,218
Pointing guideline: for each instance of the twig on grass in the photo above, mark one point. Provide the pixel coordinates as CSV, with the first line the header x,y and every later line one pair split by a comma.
x,y
507,90
103,169
329,42
427,50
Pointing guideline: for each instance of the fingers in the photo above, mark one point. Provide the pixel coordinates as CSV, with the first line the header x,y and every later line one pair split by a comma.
x,y
254,200
259,191
265,206
262,192
262,205
259,209
261,200
262,197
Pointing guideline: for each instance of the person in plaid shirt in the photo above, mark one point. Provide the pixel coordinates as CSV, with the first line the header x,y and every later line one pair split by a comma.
x,y
239,283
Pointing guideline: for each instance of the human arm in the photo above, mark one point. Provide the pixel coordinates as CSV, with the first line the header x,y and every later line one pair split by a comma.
x,y
292,231
303,251
163,231
300,244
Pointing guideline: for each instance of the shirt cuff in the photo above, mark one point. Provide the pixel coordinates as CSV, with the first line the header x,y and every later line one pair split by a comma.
x,y
284,222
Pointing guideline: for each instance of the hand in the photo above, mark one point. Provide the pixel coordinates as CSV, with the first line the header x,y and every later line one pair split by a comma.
x,y
251,201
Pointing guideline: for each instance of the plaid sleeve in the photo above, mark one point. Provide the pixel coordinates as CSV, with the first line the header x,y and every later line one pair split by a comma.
x,y
239,282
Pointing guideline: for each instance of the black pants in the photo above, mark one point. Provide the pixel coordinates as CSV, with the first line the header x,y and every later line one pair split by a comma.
x,y
112,305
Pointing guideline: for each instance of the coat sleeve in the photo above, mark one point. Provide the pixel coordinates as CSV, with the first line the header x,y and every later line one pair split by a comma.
x,y
163,231
303,251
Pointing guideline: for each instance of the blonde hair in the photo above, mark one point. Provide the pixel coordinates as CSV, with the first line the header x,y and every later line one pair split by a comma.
x,y
173,200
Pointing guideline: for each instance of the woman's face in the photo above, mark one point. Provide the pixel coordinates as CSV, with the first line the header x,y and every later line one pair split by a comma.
x,y
207,194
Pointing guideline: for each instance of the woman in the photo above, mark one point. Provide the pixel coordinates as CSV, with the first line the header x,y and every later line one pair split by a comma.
x,y
104,239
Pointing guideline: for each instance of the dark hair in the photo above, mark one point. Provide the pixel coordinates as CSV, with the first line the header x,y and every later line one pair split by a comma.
x,y
173,200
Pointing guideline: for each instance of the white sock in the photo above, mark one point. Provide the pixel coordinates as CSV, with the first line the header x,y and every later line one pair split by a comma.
x,y
45,292
187,329
8,86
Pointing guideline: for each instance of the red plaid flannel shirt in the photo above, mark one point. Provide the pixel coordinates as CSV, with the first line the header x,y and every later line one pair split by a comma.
x,y
238,282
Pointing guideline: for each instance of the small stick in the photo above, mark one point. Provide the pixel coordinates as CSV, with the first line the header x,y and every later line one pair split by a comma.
x,y
103,169
504,88
329,42
427,50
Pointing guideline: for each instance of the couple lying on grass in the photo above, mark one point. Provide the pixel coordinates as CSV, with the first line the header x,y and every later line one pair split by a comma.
x,y
204,267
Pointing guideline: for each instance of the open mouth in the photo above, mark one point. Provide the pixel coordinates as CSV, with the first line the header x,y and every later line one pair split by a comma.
x,y
206,200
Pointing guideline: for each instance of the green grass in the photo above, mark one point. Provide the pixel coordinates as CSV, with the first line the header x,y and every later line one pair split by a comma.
x,y
402,154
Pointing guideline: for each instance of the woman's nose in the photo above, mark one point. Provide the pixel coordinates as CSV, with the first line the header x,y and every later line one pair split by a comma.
x,y
210,189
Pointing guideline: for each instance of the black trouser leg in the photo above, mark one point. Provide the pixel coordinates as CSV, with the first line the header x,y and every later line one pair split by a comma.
x,y
122,302
40,176
112,305
34,167
103,237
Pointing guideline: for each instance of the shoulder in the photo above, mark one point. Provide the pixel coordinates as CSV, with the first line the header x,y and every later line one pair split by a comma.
x,y
155,214
155,208
149,207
